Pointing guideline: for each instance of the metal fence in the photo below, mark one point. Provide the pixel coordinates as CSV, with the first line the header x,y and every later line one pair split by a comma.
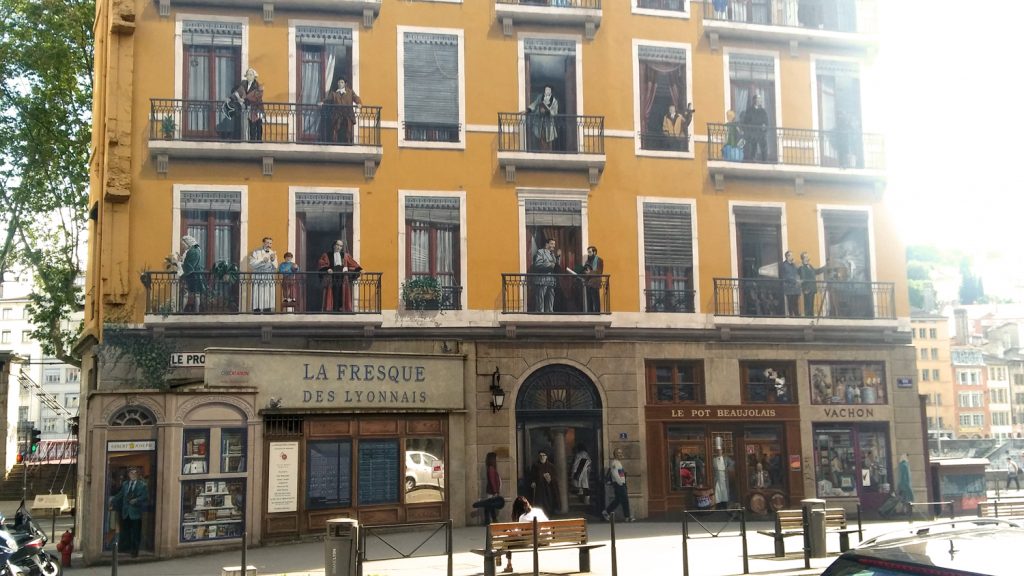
x,y
257,293
854,16
555,294
665,300
746,143
555,134
671,5
661,141
765,297
276,122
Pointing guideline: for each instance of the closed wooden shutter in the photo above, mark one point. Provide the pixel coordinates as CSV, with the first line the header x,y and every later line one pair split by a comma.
x,y
431,72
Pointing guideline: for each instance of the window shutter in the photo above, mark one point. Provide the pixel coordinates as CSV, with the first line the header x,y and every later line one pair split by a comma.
x,y
323,35
751,67
200,33
554,213
668,237
437,210
431,72
213,201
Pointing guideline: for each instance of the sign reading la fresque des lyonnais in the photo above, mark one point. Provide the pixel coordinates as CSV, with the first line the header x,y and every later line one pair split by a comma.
x,y
341,380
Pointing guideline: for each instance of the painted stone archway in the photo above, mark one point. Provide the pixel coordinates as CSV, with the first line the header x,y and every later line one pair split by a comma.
x,y
559,411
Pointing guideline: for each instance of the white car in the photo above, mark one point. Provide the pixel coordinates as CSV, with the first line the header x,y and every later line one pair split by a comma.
x,y
423,469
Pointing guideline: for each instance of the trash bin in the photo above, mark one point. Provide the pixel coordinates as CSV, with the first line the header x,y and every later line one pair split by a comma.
x,y
341,547
814,523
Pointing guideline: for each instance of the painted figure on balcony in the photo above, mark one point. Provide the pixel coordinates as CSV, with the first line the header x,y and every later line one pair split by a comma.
x,y
676,127
288,269
592,269
247,98
754,123
545,262
721,8
790,283
732,150
541,118
342,104
338,270
263,264
809,283
193,274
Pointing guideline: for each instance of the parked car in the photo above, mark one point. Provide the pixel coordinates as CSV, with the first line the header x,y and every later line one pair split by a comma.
x,y
970,547
419,470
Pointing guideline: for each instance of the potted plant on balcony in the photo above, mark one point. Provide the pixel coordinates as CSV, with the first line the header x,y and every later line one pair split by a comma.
x,y
224,293
423,293
167,126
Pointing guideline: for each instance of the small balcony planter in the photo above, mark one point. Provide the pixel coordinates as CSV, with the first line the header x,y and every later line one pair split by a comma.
x,y
422,293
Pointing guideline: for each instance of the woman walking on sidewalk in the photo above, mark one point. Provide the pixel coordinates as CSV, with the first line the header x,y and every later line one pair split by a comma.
x,y
617,477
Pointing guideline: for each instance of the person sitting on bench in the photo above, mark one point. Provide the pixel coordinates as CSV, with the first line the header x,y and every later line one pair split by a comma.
x,y
524,512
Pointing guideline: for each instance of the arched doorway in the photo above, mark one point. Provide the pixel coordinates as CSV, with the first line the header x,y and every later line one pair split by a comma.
x,y
557,409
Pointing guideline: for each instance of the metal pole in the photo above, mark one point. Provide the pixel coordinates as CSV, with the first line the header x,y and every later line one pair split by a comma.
x,y
743,534
53,524
807,536
113,560
449,536
245,564
24,480
536,553
686,551
615,556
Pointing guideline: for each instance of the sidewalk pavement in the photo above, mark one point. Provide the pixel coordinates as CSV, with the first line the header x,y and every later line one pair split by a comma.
x,y
643,549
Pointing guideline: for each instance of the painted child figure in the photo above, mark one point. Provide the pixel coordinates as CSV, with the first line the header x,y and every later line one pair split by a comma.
x,y
288,268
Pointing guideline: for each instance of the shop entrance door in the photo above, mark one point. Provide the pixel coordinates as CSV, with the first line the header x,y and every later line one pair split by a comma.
x,y
558,411
750,472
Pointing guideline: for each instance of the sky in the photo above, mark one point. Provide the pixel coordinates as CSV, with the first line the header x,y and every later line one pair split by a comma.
x,y
946,91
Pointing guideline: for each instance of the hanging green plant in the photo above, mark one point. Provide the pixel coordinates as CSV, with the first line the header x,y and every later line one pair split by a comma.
x,y
423,293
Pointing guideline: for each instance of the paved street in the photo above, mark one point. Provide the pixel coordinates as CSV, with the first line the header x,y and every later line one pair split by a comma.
x,y
643,549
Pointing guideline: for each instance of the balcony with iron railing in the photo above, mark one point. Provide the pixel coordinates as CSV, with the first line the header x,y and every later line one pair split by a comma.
x,y
559,294
550,12
669,300
558,142
369,9
208,129
788,153
837,23
661,6
247,293
834,299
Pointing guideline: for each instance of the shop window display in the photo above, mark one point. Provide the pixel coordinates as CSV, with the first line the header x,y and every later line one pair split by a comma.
x,y
851,461
687,452
232,450
424,474
195,452
212,509
848,383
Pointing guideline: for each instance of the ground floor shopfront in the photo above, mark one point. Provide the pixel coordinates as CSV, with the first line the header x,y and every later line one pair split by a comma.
x,y
273,443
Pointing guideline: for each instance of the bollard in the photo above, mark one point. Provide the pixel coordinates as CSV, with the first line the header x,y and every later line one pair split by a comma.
x,y
817,526
743,534
686,552
615,559
113,558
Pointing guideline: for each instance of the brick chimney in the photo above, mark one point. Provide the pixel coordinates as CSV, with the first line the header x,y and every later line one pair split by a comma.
x,y
961,336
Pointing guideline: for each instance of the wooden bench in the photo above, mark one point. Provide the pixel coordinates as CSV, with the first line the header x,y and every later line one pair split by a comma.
x,y
1001,509
791,523
514,537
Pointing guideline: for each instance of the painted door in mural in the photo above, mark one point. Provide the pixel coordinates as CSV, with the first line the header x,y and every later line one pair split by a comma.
x,y
558,411
122,457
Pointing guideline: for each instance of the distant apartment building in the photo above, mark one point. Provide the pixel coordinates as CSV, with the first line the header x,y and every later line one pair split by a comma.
x,y
935,378
970,387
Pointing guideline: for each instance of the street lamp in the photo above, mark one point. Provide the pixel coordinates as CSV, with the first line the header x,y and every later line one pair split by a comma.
x,y
497,394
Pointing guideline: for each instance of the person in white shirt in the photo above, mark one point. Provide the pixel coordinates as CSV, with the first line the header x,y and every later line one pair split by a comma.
x,y
618,479
263,265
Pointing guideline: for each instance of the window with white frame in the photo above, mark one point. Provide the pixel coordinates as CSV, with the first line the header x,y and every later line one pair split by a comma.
x,y
212,62
668,257
839,113
924,354
51,376
971,400
551,63
935,353
968,377
932,333
752,96
5,337
73,375
26,336
663,98
924,375
561,221
324,55
214,220
50,425
972,420
432,243
677,8
431,103
71,401
6,313
935,374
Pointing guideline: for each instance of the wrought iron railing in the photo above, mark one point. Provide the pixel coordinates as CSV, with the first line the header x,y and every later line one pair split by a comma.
x,y
662,141
795,146
664,300
672,5
854,16
167,293
278,122
555,294
767,297
593,4
558,134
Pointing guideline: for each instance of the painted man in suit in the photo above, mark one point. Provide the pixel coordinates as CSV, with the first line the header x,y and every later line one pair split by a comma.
x,y
593,268
343,102
130,503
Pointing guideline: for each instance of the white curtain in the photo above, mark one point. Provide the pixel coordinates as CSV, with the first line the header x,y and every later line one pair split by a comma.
x,y
222,239
311,91
420,257
198,90
444,264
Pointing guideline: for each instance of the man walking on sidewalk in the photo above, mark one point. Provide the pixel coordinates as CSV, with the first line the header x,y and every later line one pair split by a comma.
x,y
617,478
1012,472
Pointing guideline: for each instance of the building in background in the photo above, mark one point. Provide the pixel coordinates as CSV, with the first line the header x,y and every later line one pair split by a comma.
x,y
418,159
935,376
47,389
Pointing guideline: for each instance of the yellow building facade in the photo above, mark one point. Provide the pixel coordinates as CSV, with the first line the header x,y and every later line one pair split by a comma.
x,y
426,324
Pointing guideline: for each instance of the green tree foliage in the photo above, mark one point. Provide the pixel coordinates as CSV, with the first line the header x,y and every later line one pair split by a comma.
x,y
971,289
46,67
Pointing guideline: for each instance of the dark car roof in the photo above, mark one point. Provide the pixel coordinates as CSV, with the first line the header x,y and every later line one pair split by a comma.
x,y
986,547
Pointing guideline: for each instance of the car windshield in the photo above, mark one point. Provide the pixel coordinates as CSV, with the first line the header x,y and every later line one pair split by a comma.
x,y
854,567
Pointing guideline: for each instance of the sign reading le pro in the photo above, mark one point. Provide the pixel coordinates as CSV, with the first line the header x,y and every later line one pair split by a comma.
x,y
310,379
